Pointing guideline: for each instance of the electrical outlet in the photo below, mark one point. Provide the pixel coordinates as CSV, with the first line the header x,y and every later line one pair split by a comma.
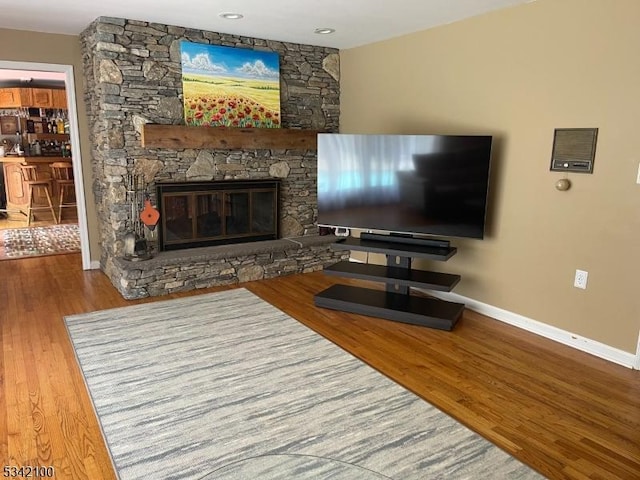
x,y
581,279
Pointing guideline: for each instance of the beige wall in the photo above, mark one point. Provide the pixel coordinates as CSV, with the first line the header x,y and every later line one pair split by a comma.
x,y
519,73
63,50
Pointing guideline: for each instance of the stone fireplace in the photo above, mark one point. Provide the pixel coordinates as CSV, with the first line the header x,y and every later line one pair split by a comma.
x,y
133,78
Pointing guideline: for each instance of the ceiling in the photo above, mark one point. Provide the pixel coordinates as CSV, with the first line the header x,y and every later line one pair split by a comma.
x,y
356,22
30,78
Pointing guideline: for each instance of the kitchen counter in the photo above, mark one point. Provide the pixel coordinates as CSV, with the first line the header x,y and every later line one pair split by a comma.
x,y
41,159
16,190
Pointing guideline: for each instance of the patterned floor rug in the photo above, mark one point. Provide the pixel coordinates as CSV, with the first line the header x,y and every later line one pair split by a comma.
x,y
225,386
39,241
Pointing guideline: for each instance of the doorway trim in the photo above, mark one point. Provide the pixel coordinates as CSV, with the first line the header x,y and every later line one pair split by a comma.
x,y
75,144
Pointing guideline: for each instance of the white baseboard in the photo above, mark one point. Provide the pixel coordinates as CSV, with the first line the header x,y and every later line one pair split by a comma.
x,y
94,265
587,345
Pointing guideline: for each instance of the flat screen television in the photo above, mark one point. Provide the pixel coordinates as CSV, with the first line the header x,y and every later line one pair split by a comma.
x,y
407,184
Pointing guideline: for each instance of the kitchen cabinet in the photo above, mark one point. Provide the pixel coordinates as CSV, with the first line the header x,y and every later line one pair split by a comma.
x,y
59,98
41,97
15,97
15,189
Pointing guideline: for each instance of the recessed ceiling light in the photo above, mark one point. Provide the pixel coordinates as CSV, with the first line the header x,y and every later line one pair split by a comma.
x,y
231,16
324,31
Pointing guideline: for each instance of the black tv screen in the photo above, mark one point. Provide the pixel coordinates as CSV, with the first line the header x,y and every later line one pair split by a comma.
x,y
412,184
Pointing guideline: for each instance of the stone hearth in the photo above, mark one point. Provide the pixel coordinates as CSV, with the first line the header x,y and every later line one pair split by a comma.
x,y
195,268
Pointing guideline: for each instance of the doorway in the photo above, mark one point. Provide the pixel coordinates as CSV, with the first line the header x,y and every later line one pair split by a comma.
x,y
63,75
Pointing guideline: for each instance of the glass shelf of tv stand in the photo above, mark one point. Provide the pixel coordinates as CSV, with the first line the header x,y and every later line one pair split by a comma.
x,y
393,248
410,277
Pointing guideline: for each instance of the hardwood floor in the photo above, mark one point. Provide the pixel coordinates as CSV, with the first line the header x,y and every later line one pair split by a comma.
x,y
43,219
565,413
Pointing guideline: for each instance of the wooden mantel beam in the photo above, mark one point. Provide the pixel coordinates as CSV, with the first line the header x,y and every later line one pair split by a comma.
x,y
182,136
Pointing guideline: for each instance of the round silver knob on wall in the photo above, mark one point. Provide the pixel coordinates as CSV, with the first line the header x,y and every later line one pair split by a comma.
x,y
563,184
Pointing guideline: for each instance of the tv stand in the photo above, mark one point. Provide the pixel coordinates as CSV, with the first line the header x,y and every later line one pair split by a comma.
x,y
396,302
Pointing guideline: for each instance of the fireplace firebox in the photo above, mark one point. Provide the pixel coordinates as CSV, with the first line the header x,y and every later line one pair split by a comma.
x,y
200,214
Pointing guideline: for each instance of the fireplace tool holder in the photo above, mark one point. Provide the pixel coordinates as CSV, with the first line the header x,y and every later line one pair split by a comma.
x,y
137,246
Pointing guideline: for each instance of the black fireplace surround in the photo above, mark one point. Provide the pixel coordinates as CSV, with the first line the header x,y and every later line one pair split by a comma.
x,y
206,213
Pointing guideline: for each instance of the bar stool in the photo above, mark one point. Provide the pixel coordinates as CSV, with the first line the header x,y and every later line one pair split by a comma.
x,y
35,184
62,173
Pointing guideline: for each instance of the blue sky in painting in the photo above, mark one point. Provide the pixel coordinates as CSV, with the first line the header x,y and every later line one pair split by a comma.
x,y
229,61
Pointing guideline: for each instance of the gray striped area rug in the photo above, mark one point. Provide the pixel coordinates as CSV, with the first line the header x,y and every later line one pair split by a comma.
x,y
225,386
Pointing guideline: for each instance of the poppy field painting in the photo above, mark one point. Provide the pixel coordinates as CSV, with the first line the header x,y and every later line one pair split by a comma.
x,y
230,87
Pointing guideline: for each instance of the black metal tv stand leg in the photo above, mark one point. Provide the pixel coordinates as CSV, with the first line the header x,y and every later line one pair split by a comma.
x,y
397,261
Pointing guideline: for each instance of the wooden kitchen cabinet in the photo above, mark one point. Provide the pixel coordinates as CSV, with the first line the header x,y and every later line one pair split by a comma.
x,y
15,97
15,189
59,98
42,97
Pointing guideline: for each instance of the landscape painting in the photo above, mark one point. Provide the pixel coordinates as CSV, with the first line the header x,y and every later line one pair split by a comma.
x,y
230,87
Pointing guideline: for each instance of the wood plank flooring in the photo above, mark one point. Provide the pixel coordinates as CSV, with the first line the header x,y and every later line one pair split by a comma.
x,y
567,414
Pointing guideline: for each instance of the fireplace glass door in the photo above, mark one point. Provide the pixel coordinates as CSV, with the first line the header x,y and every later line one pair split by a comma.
x,y
262,219
177,218
230,213
236,213
208,215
